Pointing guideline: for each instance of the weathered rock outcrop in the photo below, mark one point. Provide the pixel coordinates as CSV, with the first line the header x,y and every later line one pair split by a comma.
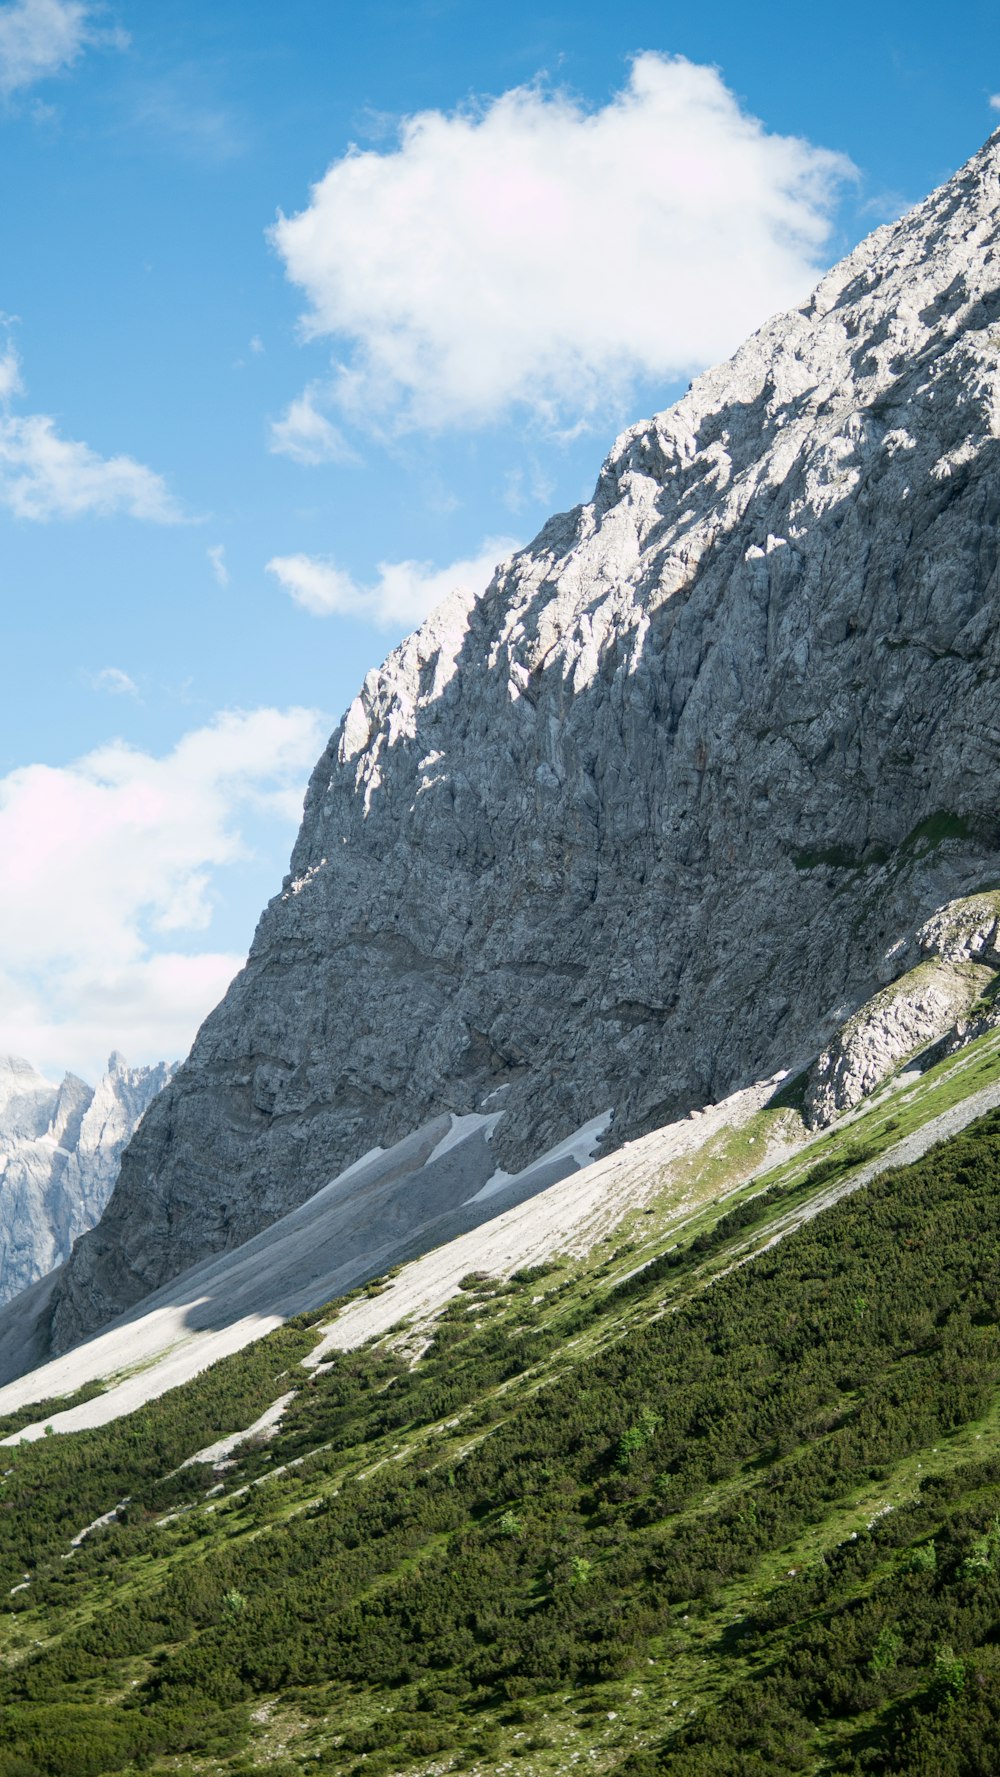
x,y
60,1149
960,946
967,931
646,819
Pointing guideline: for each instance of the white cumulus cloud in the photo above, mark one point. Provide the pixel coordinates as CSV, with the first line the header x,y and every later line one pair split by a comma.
x,y
44,475
401,597
39,38
110,878
217,556
995,101
529,250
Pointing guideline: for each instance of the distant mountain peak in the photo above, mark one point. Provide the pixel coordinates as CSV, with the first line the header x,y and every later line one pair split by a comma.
x,y
60,1148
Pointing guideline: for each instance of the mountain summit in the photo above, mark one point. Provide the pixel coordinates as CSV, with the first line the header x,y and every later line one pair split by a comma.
x,y
659,809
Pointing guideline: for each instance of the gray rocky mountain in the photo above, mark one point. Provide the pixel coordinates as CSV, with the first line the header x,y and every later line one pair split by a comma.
x,y
60,1150
658,811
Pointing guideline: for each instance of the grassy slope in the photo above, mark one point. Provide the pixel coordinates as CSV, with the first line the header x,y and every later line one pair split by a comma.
x,y
611,1517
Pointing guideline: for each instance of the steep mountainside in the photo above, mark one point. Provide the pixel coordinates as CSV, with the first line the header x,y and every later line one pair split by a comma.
x,y
653,814
438,1193
60,1149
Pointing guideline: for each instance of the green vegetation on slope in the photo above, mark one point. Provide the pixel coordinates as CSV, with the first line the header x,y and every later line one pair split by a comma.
x,y
38,1410
53,1489
749,1527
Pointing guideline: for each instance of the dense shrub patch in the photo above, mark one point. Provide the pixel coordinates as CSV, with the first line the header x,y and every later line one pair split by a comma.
x,y
598,1513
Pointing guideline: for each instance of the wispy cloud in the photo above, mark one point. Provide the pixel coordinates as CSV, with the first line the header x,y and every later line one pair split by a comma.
x,y
457,271
10,376
114,680
217,556
185,115
995,101
532,486
307,436
46,476
402,595
40,38
885,206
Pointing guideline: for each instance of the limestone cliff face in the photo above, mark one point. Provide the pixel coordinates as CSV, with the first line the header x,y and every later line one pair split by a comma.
x,y
60,1148
647,819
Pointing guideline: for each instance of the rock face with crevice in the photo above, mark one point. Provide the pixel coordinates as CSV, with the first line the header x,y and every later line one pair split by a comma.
x,y
653,814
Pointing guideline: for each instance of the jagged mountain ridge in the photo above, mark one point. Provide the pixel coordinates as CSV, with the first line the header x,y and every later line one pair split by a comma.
x,y
649,816
60,1149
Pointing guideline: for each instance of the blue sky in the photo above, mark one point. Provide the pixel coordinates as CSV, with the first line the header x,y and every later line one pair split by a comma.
x,y
375,396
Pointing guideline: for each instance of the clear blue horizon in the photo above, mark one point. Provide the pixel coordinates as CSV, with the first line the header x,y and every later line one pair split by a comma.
x,y
216,518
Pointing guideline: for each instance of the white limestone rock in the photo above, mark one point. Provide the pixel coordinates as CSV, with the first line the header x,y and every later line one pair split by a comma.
x,y
60,1149
895,1025
622,830
965,931
960,945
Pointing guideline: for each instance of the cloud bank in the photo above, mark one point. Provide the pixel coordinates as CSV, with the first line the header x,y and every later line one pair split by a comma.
x,y
110,879
530,251
402,596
